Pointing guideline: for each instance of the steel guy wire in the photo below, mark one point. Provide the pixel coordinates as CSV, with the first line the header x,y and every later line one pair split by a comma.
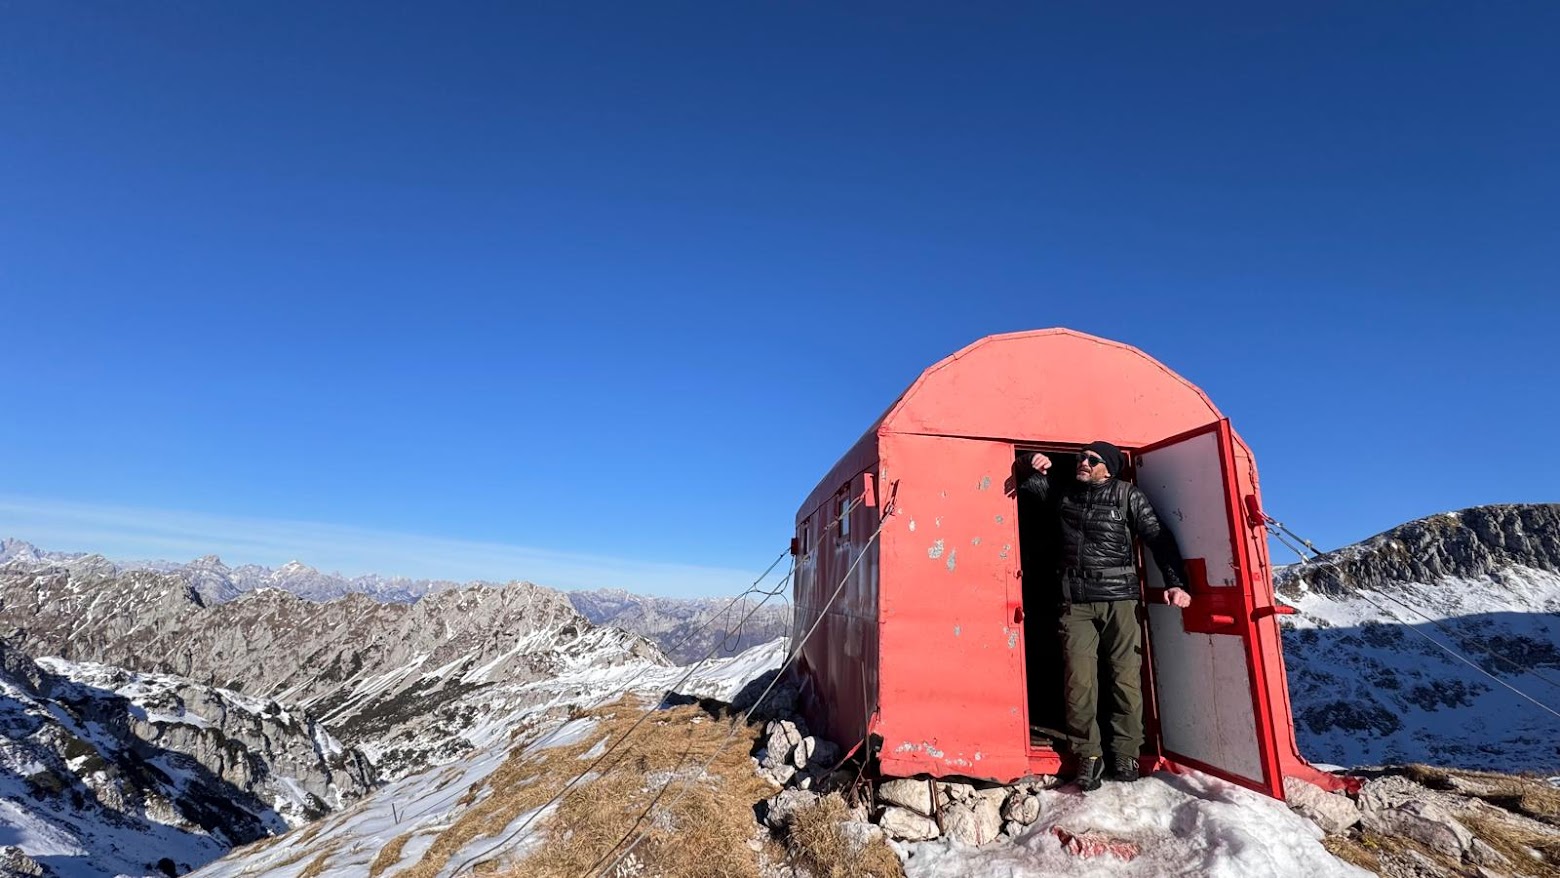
x,y
1452,652
1440,626
652,709
823,612
618,691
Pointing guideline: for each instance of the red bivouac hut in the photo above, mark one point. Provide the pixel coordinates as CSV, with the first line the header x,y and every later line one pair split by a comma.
x,y
929,650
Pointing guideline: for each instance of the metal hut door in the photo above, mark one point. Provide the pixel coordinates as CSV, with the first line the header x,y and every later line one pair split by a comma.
x,y
952,673
1213,708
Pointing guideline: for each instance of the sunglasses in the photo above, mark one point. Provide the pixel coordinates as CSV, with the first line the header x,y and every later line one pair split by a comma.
x,y
1092,459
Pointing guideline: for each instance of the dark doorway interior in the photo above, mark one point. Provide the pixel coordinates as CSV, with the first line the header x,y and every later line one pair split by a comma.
x,y
1039,535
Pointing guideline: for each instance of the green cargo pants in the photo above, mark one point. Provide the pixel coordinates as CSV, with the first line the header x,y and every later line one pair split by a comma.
x,y
1111,629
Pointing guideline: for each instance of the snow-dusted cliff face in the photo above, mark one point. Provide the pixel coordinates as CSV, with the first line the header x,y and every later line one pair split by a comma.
x,y
108,772
1369,680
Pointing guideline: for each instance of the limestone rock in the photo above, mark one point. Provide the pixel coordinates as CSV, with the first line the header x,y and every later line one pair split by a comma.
x,y
1333,812
952,791
785,805
1021,808
906,825
975,821
913,794
783,738
1423,821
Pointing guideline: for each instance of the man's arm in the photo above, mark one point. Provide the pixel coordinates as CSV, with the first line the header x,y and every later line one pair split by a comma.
x,y
1167,553
1031,475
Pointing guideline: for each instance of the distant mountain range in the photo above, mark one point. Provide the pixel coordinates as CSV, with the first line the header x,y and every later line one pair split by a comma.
x,y
187,708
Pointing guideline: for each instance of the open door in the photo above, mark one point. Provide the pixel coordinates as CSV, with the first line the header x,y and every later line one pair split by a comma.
x,y
1208,673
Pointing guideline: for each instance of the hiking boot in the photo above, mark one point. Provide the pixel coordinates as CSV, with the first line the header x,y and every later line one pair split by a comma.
x,y
1124,768
1091,770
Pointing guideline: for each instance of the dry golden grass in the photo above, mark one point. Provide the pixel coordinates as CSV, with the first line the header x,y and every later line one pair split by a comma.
x,y
257,846
1516,841
316,866
388,855
700,827
1355,852
818,841
1524,795
309,832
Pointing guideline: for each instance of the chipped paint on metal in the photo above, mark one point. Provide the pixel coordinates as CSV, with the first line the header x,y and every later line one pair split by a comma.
x,y
985,482
906,747
1012,639
975,542
1005,548
977,755
953,560
912,525
937,522
957,629
936,550
999,519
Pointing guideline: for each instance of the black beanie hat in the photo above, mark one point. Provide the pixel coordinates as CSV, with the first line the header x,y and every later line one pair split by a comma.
x,y
1114,459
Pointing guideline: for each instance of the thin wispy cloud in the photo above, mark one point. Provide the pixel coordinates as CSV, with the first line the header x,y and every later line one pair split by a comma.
x,y
130,533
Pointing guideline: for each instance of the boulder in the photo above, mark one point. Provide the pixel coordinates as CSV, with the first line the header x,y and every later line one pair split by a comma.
x,y
952,791
1333,812
783,738
1424,821
906,825
1021,808
975,821
913,794
782,807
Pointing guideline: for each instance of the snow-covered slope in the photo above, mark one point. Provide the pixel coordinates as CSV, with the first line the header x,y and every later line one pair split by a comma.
x,y
1369,680
414,811
107,772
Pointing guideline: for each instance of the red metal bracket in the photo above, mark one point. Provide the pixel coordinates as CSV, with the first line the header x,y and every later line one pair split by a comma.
x,y
868,491
1275,610
1254,514
1213,610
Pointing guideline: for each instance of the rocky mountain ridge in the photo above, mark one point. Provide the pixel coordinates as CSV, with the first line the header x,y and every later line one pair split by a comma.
x,y
1376,653
216,582
400,680
110,772
689,629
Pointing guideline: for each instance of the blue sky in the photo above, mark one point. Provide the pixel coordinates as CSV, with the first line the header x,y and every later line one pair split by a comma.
x,y
594,294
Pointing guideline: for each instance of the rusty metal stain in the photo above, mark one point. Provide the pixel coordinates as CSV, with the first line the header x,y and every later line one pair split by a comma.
x,y
953,560
985,482
936,550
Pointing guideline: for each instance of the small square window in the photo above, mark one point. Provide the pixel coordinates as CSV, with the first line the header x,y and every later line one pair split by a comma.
x,y
844,518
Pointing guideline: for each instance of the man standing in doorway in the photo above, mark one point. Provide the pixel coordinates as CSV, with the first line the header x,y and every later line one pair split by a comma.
x,y
1100,514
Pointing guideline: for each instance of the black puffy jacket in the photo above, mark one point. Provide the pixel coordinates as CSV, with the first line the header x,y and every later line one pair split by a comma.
x,y
1098,523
